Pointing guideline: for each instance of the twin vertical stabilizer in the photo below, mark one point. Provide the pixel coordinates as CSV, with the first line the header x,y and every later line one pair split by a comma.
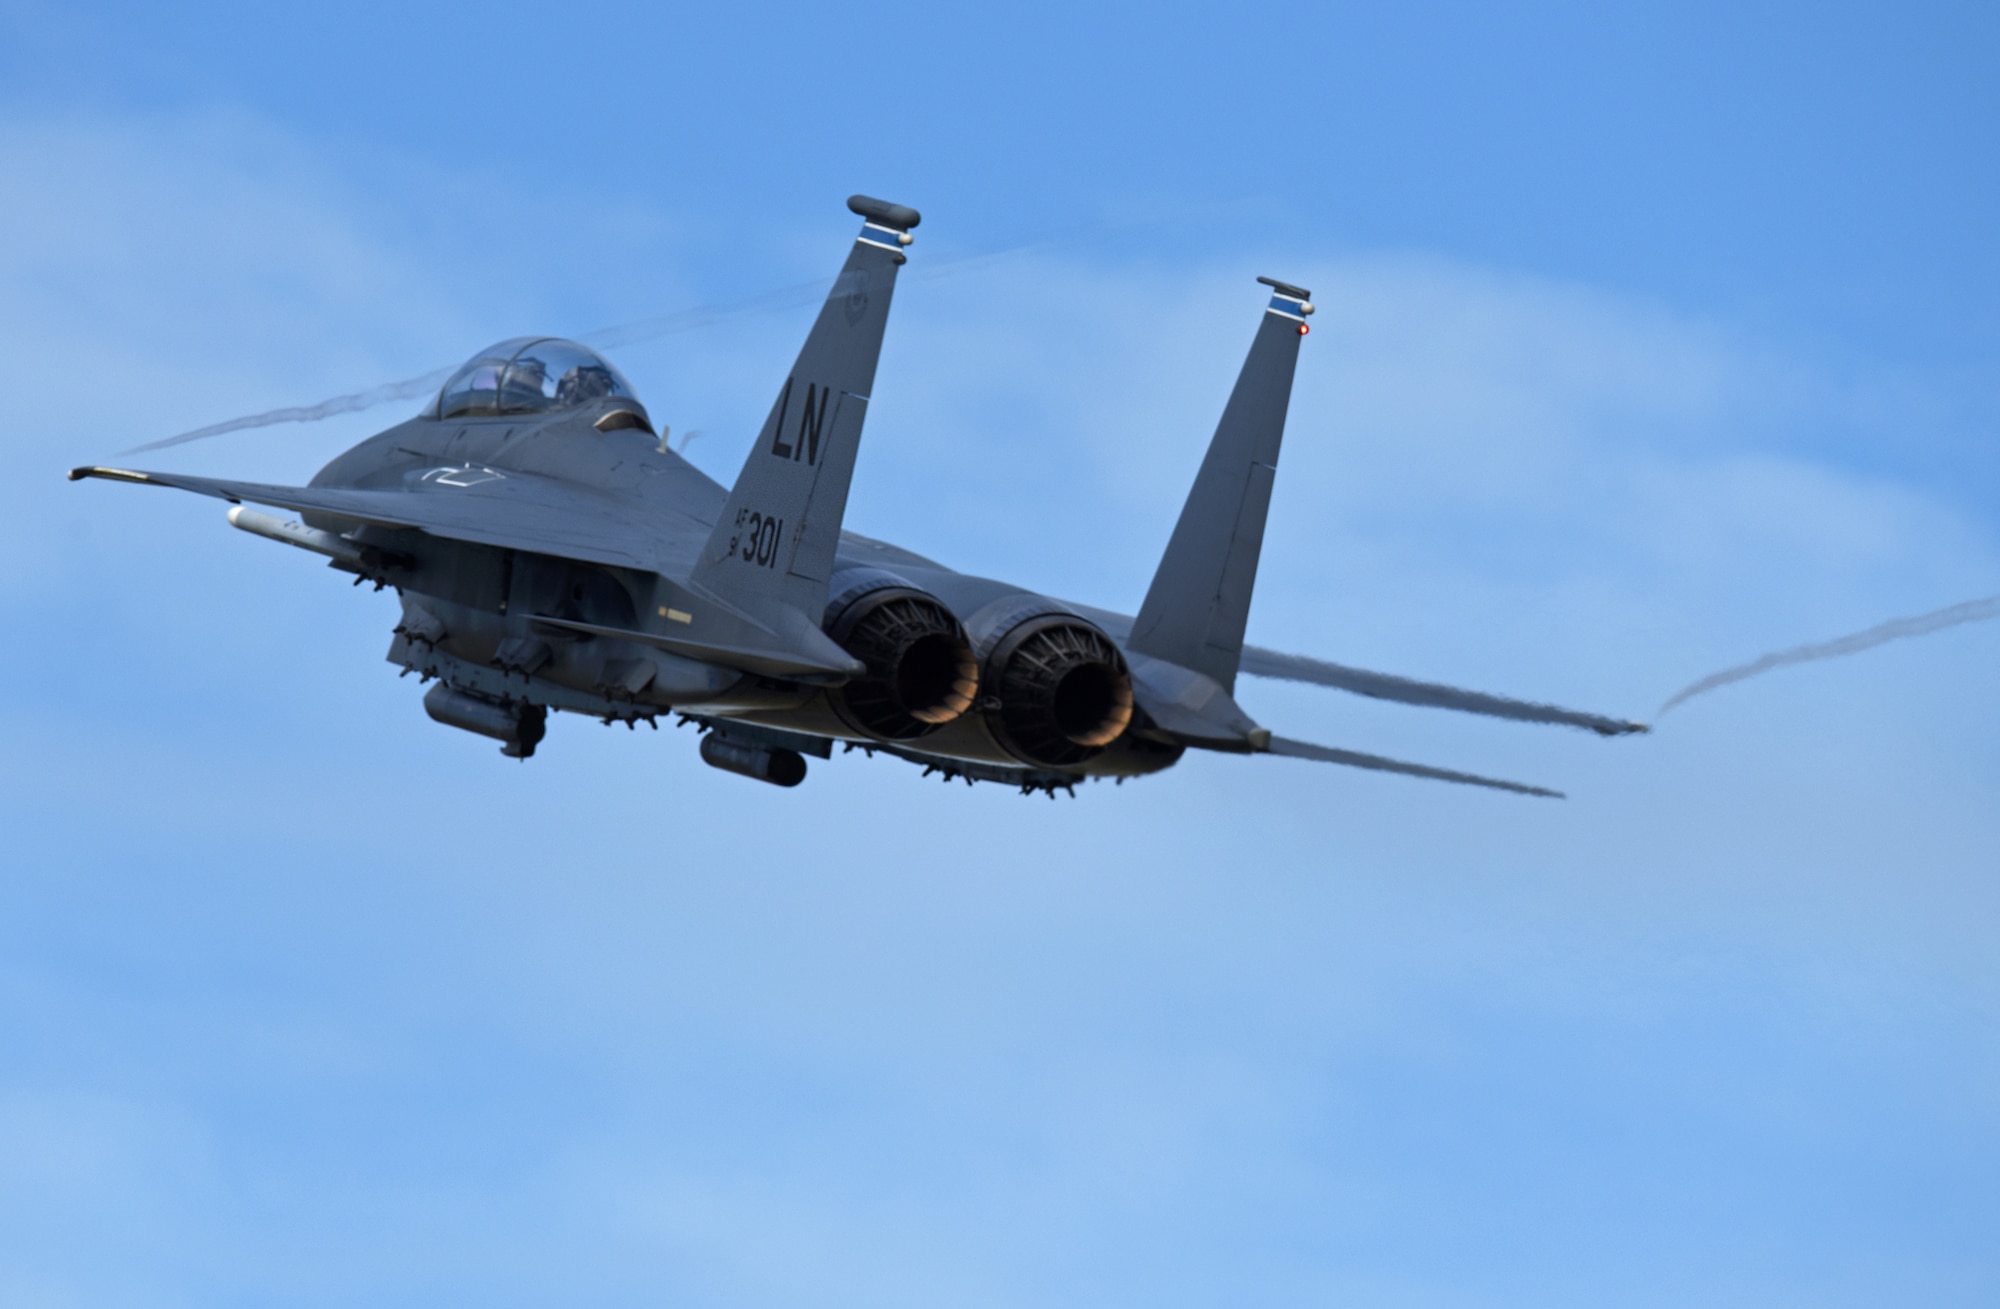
x,y
1195,611
771,553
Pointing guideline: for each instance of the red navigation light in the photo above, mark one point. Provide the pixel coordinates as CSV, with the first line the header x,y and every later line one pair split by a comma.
x,y
1303,329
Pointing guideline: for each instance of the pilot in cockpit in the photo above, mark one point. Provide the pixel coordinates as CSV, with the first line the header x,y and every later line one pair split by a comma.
x,y
526,387
584,383
529,375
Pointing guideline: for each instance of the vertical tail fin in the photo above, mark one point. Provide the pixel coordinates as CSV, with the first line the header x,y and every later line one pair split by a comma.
x,y
772,550
1196,609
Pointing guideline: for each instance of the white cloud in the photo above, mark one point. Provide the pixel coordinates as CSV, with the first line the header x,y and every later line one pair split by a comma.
x,y
1007,1050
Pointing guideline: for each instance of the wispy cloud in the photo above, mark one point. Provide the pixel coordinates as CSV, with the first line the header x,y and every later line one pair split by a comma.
x,y
620,1017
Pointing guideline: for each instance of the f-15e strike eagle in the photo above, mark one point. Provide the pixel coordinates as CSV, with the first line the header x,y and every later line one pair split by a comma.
x,y
551,552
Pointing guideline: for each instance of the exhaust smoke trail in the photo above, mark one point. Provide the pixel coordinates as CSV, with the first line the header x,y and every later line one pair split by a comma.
x,y
340,404
1259,662
644,329
1971,611
685,320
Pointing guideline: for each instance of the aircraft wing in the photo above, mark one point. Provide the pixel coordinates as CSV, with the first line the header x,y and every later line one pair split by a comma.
x,y
511,510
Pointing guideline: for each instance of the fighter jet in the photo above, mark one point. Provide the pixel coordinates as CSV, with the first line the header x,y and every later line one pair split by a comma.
x,y
552,552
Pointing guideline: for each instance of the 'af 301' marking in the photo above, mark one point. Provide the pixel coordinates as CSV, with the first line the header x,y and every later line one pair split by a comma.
x,y
756,539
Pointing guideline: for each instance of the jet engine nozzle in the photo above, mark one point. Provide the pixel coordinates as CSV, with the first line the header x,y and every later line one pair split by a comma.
x,y
921,673
1063,691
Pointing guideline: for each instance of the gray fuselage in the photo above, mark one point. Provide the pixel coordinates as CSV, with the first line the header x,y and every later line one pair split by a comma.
x,y
478,614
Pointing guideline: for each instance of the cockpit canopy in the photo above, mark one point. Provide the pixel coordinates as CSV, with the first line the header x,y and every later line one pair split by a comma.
x,y
529,375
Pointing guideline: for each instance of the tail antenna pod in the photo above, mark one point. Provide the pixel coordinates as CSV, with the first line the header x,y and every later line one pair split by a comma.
x,y
1291,301
900,217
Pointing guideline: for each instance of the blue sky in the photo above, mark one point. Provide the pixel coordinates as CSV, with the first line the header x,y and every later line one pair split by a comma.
x,y
1651,338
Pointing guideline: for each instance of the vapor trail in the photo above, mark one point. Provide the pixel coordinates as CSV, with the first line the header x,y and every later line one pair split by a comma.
x,y
1971,611
340,404
644,329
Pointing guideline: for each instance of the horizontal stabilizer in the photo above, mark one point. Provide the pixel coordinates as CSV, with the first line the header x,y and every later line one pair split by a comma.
x,y
793,664
1386,686
1355,759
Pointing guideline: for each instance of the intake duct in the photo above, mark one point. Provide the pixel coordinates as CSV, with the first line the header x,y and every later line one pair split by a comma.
x,y
921,669
1062,691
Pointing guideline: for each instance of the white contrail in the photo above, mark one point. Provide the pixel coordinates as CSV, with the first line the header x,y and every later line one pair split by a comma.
x,y
686,320
340,404
1971,611
646,329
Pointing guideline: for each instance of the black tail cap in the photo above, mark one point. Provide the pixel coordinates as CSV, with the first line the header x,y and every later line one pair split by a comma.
x,y
900,217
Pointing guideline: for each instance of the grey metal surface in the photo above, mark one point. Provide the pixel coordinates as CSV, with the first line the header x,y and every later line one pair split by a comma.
x,y
773,547
550,554
520,511
1196,609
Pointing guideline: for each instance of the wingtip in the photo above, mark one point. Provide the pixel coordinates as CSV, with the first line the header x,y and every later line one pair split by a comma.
x,y
108,474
